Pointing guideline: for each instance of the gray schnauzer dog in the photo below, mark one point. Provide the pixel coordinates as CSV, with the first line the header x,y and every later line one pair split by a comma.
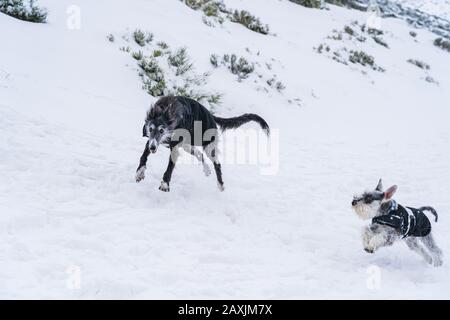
x,y
392,222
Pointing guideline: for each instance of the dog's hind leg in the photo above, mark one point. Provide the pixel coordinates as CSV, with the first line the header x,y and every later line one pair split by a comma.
x,y
415,246
431,245
212,154
140,172
200,157
174,153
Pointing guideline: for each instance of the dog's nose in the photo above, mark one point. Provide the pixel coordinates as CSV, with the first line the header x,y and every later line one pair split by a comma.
x,y
152,148
354,202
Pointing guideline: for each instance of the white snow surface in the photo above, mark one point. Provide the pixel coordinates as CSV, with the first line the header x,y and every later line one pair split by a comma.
x,y
440,8
71,115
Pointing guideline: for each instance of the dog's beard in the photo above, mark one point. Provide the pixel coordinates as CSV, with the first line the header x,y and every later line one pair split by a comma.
x,y
367,211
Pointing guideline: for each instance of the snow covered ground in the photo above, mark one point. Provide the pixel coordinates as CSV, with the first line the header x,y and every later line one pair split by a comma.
x,y
440,8
74,224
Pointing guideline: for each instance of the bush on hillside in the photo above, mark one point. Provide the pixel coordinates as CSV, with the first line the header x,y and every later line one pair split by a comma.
x,y
442,43
25,10
238,66
249,21
308,3
420,64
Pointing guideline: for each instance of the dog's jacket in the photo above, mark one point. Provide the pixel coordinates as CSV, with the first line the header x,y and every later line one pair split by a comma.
x,y
408,221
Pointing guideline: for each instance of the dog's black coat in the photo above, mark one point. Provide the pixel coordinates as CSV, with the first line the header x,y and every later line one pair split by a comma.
x,y
177,112
410,224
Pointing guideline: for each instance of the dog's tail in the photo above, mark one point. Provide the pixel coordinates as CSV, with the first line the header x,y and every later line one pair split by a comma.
x,y
431,210
236,122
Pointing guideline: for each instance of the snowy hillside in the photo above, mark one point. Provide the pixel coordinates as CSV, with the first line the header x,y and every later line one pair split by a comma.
x,y
440,8
74,223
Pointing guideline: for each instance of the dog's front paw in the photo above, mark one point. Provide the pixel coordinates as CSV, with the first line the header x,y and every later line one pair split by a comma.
x,y
220,186
164,187
140,174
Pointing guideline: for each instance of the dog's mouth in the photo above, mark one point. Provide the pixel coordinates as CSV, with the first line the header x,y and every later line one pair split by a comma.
x,y
363,211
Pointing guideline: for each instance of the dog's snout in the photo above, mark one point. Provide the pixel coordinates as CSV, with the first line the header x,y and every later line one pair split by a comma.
x,y
152,147
354,202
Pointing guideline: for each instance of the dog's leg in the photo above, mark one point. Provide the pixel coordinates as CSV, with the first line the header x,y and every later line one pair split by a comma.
x,y
375,237
415,246
211,152
431,245
200,157
174,153
140,172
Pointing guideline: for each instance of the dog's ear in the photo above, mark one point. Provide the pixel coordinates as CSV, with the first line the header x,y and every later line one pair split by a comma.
x,y
144,132
379,186
390,192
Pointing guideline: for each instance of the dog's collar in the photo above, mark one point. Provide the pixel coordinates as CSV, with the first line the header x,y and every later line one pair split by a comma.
x,y
393,207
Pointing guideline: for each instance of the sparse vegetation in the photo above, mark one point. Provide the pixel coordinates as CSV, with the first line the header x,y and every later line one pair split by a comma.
x,y
349,30
361,57
322,47
164,71
180,61
214,59
157,53
431,80
216,9
413,34
278,85
249,21
420,64
308,3
380,41
152,76
163,45
138,55
142,38
442,43
110,37
238,66
25,10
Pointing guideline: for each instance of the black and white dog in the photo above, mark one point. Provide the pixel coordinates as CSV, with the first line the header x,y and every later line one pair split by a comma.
x,y
180,122
392,222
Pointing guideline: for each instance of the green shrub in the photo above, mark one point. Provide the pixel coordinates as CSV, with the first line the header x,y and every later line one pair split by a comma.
x,y
362,58
152,76
308,3
25,10
142,38
349,31
194,4
163,45
276,84
139,37
214,59
380,41
442,43
180,61
157,53
211,9
137,55
240,67
420,64
249,21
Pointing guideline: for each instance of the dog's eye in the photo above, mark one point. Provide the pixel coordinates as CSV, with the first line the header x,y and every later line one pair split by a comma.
x,y
368,199
161,130
150,129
